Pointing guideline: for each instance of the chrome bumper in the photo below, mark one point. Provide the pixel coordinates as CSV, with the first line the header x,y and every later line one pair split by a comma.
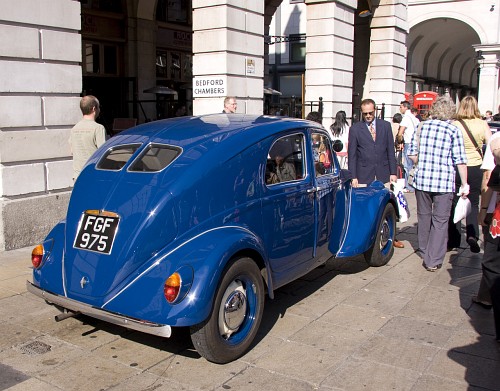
x,y
160,330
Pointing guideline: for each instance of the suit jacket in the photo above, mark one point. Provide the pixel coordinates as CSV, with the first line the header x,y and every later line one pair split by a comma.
x,y
367,159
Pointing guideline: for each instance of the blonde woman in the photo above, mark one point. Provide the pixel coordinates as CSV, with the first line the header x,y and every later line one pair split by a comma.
x,y
475,132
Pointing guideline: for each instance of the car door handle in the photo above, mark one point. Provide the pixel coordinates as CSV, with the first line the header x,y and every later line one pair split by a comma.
x,y
314,189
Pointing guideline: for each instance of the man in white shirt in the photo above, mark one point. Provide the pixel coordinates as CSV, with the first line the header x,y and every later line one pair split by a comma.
x,y
406,129
87,135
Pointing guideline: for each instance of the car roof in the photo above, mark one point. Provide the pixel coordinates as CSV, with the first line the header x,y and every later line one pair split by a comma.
x,y
186,131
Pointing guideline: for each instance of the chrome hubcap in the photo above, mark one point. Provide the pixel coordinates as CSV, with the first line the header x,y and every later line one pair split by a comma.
x,y
233,309
385,234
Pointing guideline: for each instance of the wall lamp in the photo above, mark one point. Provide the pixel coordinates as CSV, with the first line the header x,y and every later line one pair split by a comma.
x,y
492,8
365,14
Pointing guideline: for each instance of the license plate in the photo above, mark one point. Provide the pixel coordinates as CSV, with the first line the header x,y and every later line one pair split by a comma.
x,y
97,233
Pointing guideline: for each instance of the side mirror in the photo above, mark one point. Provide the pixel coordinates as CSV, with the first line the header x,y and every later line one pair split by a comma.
x,y
337,145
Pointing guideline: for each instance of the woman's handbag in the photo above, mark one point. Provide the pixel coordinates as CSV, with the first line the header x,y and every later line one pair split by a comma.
x,y
411,176
495,222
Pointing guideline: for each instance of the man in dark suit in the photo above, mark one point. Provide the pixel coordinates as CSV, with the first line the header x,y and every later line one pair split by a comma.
x,y
371,153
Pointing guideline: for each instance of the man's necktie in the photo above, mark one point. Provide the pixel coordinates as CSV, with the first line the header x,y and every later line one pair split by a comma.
x,y
372,131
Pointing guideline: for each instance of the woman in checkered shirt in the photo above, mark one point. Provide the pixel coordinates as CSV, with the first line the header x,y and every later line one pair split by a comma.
x,y
437,150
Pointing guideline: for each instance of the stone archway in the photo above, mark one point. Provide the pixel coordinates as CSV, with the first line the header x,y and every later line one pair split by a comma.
x,y
455,43
441,52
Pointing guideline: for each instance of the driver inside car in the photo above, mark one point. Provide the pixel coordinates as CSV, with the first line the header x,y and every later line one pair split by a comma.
x,y
284,170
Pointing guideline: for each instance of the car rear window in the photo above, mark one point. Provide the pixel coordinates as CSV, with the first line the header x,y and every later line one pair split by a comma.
x,y
155,157
117,157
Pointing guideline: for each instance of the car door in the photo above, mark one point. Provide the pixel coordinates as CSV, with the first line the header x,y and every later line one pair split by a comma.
x,y
326,185
288,207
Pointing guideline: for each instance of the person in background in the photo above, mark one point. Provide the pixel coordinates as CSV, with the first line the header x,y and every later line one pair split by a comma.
x,y
488,117
415,112
491,257
339,130
407,127
496,117
370,155
230,105
438,150
468,116
87,135
396,120
315,117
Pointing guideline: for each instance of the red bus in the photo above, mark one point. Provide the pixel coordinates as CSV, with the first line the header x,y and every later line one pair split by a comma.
x,y
424,100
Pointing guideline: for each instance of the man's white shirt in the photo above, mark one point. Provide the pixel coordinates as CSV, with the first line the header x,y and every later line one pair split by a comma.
x,y
410,122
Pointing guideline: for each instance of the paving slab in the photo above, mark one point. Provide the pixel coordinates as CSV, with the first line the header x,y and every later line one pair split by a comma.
x,y
344,326
358,375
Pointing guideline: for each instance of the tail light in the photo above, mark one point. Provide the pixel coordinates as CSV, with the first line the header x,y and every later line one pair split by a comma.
x,y
37,256
172,287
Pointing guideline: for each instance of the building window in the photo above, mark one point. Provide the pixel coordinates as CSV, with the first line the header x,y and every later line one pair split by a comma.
x,y
297,47
100,59
173,11
173,65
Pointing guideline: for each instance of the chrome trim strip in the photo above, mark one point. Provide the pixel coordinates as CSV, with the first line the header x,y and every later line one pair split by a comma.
x,y
160,330
347,225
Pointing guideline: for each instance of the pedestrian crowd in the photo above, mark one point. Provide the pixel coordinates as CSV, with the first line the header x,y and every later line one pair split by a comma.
x,y
446,157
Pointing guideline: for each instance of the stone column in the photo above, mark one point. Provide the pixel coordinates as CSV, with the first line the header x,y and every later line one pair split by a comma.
x,y
386,75
329,56
488,97
228,43
40,84
145,47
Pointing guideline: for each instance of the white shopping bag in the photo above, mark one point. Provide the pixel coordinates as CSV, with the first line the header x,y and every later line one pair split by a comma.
x,y
403,208
461,210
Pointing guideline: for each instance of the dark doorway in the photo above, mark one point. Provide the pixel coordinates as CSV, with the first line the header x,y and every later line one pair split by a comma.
x,y
116,96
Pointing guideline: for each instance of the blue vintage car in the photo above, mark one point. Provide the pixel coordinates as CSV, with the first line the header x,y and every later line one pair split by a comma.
x,y
189,222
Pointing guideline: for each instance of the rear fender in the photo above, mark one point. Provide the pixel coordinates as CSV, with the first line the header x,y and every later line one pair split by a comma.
x,y
206,255
366,205
50,274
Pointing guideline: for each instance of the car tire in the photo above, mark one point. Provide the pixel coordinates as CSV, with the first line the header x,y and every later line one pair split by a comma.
x,y
382,249
227,334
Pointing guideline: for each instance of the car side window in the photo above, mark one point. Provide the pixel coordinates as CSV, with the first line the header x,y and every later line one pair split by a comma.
x,y
285,160
322,154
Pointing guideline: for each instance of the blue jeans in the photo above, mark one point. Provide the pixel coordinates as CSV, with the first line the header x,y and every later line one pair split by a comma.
x,y
407,164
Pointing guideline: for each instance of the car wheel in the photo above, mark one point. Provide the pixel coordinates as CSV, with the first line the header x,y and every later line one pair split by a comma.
x,y
382,249
236,314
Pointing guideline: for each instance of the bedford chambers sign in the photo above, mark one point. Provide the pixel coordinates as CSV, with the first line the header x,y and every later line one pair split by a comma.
x,y
209,86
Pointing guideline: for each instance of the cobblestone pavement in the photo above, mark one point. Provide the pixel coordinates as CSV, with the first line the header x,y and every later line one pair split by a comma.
x,y
342,327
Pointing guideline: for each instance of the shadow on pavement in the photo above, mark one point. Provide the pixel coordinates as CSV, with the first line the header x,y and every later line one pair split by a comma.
x,y
480,357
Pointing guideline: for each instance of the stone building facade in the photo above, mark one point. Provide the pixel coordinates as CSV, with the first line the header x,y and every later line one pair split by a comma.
x,y
54,51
